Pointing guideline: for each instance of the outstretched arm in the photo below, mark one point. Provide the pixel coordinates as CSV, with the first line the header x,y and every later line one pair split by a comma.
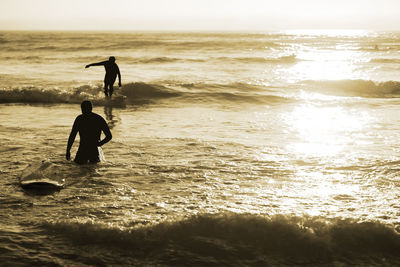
x,y
96,64
108,134
71,140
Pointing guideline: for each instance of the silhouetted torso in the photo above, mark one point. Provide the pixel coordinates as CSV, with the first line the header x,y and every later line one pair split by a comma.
x,y
111,71
89,127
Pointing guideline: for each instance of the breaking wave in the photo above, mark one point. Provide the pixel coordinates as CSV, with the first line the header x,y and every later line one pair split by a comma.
x,y
41,95
204,92
139,93
385,60
241,93
360,88
132,91
244,239
140,90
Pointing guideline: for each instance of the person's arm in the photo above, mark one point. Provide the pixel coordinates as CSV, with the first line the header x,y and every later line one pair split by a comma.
x,y
96,64
119,76
108,134
71,140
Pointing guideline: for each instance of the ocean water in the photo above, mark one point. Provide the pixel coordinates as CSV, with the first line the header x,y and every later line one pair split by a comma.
x,y
232,149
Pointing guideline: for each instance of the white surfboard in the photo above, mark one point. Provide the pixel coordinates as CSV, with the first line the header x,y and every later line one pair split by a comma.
x,y
50,175
101,154
45,174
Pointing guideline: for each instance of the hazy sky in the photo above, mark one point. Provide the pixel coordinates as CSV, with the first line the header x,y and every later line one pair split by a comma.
x,y
199,14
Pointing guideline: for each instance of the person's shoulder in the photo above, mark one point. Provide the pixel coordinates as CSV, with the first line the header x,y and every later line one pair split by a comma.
x,y
97,116
100,120
79,117
78,120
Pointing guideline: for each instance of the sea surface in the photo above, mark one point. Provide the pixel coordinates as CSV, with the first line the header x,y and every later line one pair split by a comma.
x,y
231,149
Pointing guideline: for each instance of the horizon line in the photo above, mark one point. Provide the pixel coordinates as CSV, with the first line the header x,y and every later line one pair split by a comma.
x,y
206,30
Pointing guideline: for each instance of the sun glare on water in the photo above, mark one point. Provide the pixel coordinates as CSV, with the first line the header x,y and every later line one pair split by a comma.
x,y
323,55
325,65
323,135
322,131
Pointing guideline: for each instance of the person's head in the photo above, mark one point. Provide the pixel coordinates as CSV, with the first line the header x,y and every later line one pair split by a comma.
x,y
86,107
112,59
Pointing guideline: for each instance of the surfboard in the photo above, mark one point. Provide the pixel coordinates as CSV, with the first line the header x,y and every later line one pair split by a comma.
x,y
47,176
101,154
43,175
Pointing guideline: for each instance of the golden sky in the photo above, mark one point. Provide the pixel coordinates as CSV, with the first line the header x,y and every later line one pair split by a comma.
x,y
199,14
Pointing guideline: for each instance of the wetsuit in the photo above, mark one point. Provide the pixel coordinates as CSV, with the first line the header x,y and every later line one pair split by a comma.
x,y
112,71
90,126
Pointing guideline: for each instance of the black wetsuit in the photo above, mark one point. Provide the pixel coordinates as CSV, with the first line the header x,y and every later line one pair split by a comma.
x,y
89,126
112,71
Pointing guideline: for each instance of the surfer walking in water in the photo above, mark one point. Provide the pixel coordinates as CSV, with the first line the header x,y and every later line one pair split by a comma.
x,y
112,71
89,125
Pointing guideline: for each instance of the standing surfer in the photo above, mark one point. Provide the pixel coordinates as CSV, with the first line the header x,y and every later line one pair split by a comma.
x,y
112,71
89,125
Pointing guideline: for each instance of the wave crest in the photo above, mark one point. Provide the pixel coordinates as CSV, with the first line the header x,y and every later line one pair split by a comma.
x,y
39,95
141,90
132,91
139,93
385,60
243,238
362,88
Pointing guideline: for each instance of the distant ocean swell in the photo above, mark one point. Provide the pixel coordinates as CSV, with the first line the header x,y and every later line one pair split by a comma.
x,y
123,44
242,238
252,60
41,42
158,60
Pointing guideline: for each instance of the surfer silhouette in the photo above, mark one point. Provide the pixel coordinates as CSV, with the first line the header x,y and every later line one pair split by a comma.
x,y
112,71
89,125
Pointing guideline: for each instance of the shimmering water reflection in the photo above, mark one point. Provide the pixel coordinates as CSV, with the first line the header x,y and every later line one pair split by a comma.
x,y
324,131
